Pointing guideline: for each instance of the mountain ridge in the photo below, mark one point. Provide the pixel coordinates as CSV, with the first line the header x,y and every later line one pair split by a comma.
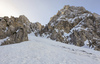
x,y
71,25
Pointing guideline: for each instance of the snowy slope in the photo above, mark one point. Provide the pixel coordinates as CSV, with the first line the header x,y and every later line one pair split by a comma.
x,y
44,51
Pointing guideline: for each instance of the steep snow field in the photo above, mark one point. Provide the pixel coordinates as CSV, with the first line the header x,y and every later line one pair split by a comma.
x,y
45,51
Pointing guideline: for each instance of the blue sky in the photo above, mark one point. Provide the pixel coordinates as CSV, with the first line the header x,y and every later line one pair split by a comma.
x,y
42,10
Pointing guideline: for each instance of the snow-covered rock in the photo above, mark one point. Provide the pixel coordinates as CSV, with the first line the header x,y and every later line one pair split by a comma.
x,y
74,25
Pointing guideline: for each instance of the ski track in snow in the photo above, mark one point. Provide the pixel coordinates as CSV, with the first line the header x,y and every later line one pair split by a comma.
x,y
45,51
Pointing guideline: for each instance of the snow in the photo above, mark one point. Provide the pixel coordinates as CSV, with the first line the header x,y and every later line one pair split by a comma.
x,y
66,34
6,29
78,27
2,40
45,51
45,35
72,20
86,44
52,24
17,31
56,30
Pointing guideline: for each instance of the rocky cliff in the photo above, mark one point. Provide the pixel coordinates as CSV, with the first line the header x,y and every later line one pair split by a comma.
x,y
15,30
74,25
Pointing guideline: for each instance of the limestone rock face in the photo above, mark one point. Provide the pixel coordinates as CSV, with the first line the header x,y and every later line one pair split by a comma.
x,y
16,29
74,25
19,36
26,23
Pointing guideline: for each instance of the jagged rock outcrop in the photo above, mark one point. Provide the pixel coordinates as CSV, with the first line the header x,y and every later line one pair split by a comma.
x,y
16,30
13,29
74,25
